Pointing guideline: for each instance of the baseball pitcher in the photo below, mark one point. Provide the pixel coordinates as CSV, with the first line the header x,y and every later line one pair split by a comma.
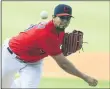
x,y
26,51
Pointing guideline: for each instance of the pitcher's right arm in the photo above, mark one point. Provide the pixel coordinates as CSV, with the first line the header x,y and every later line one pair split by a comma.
x,y
67,66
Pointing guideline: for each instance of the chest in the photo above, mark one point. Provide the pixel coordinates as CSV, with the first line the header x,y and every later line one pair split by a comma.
x,y
59,38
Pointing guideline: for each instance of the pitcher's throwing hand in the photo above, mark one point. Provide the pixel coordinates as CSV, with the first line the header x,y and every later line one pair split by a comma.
x,y
91,81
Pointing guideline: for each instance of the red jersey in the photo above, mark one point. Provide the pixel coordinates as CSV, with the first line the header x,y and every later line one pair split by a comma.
x,y
37,42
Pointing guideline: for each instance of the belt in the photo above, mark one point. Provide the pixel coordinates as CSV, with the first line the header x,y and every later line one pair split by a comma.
x,y
11,52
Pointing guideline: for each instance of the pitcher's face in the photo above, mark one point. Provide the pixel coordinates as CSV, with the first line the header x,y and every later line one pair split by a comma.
x,y
62,21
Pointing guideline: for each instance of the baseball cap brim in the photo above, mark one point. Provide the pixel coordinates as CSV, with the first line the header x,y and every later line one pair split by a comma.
x,y
64,14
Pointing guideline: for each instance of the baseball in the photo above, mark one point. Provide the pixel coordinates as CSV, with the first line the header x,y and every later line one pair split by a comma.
x,y
44,14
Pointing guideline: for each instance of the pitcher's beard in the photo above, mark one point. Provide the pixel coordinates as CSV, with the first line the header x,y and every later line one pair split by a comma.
x,y
60,29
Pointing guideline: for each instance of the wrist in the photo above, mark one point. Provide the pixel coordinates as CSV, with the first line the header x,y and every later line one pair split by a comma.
x,y
84,77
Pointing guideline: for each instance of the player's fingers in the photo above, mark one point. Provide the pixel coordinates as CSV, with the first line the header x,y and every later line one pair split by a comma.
x,y
94,83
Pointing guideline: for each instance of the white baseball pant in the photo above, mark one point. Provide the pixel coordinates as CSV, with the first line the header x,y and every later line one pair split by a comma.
x,y
30,73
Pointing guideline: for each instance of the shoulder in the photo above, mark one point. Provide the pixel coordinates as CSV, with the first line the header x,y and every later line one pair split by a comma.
x,y
45,25
41,25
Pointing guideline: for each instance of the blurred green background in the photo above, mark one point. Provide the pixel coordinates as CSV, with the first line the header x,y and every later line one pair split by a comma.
x,y
69,83
91,17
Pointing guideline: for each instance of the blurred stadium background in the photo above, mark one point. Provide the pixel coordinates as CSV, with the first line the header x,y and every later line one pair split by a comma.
x,y
91,17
